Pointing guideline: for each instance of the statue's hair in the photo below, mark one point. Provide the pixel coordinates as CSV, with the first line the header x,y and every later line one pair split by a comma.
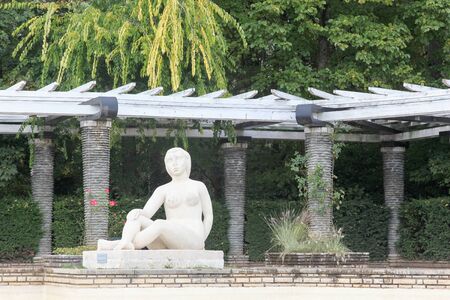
x,y
186,155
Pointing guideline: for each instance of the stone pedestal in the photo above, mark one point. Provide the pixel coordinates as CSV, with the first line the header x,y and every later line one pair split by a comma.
x,y
153,259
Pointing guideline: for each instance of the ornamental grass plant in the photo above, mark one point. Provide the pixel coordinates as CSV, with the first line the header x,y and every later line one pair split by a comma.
x,y
291,234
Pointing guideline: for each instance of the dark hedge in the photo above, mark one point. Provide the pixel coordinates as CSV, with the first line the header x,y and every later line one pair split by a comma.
x,y
425,229
364,223
20,226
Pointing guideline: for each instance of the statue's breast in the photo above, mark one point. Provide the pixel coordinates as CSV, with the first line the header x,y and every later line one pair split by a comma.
x,y
176,198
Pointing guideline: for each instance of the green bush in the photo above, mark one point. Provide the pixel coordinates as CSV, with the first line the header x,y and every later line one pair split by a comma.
x,y
20,223
425,229
364,223
68,221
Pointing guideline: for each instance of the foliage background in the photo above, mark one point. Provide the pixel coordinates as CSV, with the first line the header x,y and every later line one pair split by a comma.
x,y
292,45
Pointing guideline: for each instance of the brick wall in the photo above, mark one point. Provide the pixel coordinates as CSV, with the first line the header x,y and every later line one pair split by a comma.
x,y
244,277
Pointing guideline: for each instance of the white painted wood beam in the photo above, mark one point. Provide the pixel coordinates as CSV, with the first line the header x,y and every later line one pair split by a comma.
x,y
357,95
246,95
12,118
446,82
388,92
417,134
419,88
49,109
385,111
185,93
216,94
49,88
85,87
17,87
286,96
325,95
122,89
153,92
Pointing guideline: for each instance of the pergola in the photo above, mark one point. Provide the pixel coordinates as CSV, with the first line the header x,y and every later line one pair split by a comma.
x,y
385,116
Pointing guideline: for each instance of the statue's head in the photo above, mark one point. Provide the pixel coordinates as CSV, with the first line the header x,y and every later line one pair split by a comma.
x,y
178,162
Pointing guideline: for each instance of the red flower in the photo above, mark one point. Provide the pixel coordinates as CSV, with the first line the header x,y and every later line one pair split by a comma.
x,y
107,191
112,203
93,202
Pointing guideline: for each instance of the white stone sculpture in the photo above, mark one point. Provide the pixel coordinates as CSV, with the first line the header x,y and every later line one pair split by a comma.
x,y
185,202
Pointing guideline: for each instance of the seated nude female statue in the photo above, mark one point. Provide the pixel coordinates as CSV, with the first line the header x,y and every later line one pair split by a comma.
x,y
185,201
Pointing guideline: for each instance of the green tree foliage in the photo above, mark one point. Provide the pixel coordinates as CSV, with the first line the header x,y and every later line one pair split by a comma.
x,y
332,44
162,40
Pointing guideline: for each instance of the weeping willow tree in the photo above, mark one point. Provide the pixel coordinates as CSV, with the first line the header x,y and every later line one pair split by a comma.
x,y
162,41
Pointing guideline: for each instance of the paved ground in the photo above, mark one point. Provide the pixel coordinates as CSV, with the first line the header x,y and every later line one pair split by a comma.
x,y
304,293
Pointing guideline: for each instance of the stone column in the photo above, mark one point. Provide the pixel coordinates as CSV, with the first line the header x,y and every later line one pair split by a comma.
x,y
42,189
96,154
393,178
235,172
319,155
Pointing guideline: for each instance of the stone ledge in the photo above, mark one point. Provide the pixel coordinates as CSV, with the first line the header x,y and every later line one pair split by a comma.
x,y
154,259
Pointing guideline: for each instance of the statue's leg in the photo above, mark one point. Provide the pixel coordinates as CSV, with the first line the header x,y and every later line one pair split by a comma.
x,y
131,228
173,235
106,245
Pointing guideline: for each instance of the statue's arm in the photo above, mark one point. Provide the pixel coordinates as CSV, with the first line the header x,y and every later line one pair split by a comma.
x,y
207,210
154,203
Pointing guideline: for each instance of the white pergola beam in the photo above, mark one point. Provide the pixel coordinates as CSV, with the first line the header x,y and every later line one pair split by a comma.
x,y
122,89
85,87
17,87
246,95
419,88
185,93
216,94
385,111
388,92
446,82
49,109
153,92
49,88
357,95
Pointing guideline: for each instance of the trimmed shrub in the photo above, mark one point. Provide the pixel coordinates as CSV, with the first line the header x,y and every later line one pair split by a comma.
x,y
217,239
425,229
20,223
364,223
68,221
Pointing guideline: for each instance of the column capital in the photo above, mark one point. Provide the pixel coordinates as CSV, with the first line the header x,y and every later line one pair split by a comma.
x,y
96,123
242,145
42,141
394,149
319,130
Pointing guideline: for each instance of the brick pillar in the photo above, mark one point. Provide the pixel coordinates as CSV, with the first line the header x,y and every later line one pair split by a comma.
x,y
96,154
393,178
235,172
42,190
319,154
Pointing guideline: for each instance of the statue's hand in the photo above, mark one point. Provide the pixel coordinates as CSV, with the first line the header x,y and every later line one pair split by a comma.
x,y
134,214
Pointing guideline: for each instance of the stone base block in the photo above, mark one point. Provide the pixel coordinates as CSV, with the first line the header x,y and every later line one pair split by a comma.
x,y
153,259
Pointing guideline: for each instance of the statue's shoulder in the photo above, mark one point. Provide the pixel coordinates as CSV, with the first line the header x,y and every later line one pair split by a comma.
x,y
198,183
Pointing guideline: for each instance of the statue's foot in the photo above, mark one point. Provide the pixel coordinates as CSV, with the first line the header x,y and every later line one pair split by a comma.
x,y
124,246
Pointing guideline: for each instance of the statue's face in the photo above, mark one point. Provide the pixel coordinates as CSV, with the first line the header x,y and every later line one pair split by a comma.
x,y
176,163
